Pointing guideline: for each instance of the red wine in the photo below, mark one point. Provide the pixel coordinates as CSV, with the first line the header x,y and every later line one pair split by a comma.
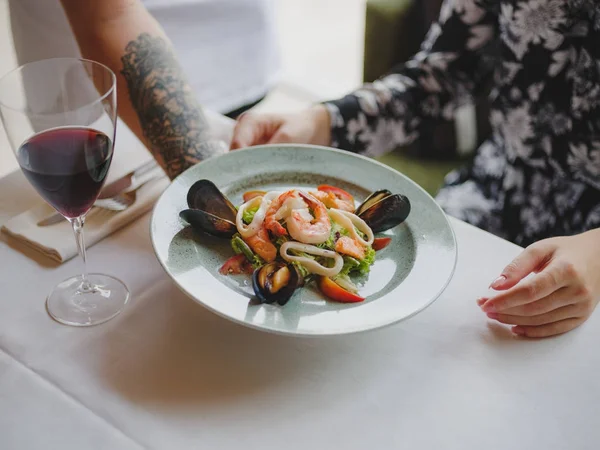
x,y
67,166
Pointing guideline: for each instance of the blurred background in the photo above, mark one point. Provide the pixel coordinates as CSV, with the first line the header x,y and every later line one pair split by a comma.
x,y
315,63
325,48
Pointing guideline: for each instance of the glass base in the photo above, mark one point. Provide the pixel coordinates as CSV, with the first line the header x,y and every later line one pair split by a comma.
x,y
72,303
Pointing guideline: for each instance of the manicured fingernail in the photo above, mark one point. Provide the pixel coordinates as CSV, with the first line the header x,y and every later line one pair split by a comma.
x,y
518,331
498,282
481,300
493,316
489,308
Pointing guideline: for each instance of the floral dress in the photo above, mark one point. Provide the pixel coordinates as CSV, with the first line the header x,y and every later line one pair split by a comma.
x,y
538,174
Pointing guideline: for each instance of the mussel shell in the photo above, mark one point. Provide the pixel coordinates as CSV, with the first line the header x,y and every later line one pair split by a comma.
x,y
372,199
262,283
386,213
207,197
208,223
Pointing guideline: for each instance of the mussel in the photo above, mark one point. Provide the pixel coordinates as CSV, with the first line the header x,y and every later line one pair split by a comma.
x,y
276,282
383,210
209,210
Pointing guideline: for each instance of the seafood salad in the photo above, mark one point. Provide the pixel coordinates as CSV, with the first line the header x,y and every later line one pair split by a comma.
x,y
289,238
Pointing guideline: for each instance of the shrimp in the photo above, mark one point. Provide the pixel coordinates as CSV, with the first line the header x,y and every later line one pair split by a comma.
x,y
303,227
348,246
262,245
281,208
330,200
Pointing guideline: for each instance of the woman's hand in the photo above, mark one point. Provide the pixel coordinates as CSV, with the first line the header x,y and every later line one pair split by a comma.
x,y
560,296
311,126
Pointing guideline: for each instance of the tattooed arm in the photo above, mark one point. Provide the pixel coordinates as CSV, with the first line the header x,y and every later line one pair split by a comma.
x,y
154,98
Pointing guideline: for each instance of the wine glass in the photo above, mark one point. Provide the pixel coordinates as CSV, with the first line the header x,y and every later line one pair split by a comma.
x,y
60,118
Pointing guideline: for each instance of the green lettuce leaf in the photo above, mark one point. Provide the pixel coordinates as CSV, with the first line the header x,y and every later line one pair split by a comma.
x,y
280,240
249,215
239,246
365,264
350,264
303,270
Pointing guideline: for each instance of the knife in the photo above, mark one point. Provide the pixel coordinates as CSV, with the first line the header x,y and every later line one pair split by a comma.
x,y
109,191
126,181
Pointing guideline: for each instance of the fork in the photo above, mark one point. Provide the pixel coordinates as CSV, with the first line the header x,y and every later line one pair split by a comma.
x,y
123,200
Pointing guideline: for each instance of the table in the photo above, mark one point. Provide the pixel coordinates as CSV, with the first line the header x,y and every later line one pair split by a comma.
x,y
168,374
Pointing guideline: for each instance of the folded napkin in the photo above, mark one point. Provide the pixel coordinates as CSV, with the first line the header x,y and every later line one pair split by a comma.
x,y
57,241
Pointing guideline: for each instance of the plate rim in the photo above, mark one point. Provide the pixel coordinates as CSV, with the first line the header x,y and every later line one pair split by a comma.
x,y
281,332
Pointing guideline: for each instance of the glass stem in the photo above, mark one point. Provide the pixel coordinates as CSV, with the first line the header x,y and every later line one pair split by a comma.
x,y
77,225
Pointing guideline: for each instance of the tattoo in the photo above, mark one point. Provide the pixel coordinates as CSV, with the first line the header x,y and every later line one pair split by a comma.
x,y
171,118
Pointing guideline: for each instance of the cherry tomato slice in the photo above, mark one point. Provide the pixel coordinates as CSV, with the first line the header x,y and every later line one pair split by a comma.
x,y
381,243
339,193
234,265
247,268
335,292
252,194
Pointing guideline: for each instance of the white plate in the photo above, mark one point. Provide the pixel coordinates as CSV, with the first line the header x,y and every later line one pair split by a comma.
x,y
406,277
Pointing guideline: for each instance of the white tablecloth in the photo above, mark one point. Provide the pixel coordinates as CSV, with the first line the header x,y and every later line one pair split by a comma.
x,y
167,374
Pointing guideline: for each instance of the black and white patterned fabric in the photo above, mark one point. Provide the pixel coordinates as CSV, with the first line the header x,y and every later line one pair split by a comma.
x,y
538,175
